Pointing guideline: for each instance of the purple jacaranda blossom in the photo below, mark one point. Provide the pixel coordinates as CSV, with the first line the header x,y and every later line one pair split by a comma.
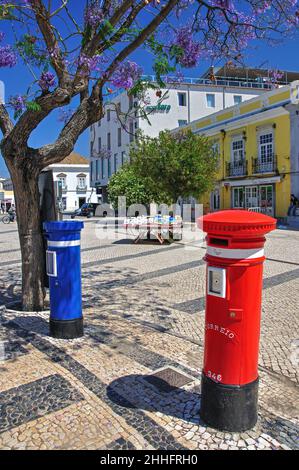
x,y
91,64
187,50
8,56
93,15
126,75
46,81
18,103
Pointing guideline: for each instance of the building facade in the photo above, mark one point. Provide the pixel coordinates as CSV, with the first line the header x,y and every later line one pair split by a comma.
x,y
258,146
184,102
73,173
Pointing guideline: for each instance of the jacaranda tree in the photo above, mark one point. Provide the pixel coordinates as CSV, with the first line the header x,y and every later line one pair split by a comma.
x,y
79,51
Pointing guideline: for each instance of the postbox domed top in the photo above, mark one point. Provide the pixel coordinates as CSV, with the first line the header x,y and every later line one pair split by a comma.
x,y
63,225
237,222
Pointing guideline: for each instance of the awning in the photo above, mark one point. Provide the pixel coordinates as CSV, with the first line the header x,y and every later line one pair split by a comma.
x,y
252,182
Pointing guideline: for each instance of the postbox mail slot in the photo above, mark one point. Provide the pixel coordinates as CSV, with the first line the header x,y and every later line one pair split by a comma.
x,y
216,281
51,261
218,241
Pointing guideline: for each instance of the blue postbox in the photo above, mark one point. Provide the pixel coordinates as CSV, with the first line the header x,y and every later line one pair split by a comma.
x,y
63,258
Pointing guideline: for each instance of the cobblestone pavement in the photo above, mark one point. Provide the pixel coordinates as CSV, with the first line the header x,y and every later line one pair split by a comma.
x,y
144,313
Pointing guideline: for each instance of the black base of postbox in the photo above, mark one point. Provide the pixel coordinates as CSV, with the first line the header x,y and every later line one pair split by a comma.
x,y
228,407
66,329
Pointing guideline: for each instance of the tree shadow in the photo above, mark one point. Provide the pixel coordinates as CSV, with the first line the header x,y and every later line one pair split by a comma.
x,y
133,391
33,324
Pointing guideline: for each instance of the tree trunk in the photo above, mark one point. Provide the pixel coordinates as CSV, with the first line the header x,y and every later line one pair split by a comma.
x,y
27,198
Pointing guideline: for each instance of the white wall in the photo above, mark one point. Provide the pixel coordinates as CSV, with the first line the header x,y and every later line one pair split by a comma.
x,y
196,107
72,194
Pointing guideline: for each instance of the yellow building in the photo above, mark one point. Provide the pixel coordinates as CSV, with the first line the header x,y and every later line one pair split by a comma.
x,y
258,146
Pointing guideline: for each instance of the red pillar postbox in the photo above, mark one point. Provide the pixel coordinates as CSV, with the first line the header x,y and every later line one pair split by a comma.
x,y
235,256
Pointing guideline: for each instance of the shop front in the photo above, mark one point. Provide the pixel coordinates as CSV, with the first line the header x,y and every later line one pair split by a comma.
x,y
253,195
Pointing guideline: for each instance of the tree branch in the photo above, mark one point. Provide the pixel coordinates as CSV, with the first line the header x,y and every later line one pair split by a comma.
x,y
6,124
145,33
43,20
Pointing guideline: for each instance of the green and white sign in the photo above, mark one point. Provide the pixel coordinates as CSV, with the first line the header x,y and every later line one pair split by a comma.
x,y
159,108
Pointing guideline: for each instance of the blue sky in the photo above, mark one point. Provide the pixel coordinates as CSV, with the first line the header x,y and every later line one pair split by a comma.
x,y
283,56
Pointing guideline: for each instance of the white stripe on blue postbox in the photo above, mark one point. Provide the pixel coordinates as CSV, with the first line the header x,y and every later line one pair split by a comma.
x,y
63,244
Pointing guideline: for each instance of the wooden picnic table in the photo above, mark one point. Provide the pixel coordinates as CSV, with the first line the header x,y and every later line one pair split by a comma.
x,y
154,228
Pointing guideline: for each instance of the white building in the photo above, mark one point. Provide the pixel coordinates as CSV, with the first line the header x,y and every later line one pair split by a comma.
x,y
186,101
73,172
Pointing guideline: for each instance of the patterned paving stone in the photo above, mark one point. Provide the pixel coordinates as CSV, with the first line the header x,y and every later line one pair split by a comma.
x,y
121,444
147,427
28,402
144,310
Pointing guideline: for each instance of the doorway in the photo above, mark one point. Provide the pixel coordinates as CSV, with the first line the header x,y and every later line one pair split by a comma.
x,y
82,201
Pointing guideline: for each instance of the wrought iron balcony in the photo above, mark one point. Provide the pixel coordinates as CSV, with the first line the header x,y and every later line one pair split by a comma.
x,y
266,166
81,189
238,168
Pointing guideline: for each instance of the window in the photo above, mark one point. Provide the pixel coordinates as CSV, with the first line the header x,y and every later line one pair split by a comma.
x,y
182,97
215,200
109,167
81,181
238,197
251,197
97,170
237,150
119,136
99,144
216,148
91,149
91,171
266,148
109,141
63,203
182,122
62,178
237,99
131,101
210,100
108,115
123,157
115,162
103,168
131,131
99,123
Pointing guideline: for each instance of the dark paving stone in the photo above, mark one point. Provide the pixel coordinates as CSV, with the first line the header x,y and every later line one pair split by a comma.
x,y
30,401
121,444
155,434
198,305
135,351
151,275
115,259
168,379
11,346
283,430
191,306
280,279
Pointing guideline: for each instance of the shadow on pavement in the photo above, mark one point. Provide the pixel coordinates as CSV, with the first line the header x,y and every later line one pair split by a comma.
x,y
132,391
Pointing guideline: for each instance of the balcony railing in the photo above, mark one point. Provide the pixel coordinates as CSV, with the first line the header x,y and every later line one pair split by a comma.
x,y
267,166
238,168
81,189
